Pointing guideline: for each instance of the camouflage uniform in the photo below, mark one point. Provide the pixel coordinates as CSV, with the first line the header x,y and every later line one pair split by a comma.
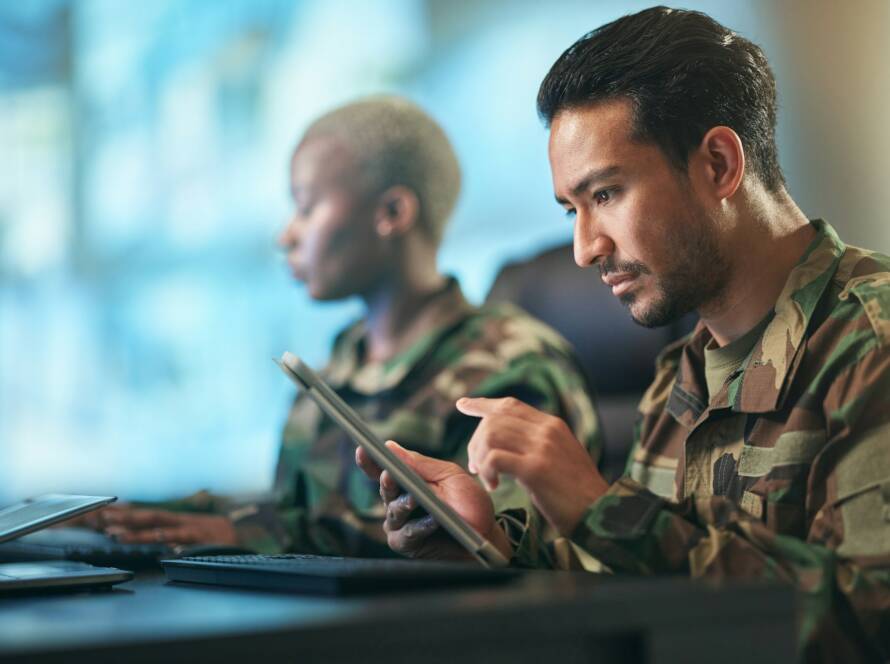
x,y
784,473
325,504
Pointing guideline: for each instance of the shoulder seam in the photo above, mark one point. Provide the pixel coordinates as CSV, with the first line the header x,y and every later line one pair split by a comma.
x,y
871,302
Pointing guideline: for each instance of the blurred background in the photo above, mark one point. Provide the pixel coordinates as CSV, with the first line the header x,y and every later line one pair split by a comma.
x,y
144,152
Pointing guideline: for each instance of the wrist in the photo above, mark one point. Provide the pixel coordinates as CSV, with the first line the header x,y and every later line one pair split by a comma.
x,y
585,502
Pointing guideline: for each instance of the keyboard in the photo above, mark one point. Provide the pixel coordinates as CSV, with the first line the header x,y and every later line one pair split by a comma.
x,y
83,545
329,575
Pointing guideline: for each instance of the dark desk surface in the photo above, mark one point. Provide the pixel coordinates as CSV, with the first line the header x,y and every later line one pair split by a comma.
x,y
552,617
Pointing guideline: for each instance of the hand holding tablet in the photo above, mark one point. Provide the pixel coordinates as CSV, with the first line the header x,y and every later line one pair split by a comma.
x,y
406,478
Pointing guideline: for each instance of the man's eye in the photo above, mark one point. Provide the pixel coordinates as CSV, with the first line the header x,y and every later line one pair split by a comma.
x,y
570,213
603,196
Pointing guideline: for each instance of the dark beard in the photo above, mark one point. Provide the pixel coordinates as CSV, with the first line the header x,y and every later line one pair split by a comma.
x,y
664,311
700,277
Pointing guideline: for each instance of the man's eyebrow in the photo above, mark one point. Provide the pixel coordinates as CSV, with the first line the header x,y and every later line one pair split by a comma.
x,y
589,180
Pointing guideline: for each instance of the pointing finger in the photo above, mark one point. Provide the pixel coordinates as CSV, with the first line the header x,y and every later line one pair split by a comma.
x,y
507,406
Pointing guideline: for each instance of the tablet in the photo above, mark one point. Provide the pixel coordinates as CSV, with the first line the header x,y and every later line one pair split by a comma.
x,y
338,410
36,513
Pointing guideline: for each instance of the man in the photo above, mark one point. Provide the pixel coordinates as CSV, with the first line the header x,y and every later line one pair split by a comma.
x,y
763,449
374,184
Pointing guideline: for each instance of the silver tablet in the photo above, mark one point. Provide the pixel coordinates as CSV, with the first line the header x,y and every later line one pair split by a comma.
x,y
337,409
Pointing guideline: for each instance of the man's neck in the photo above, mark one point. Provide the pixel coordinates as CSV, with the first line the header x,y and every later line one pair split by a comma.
x,y
769,243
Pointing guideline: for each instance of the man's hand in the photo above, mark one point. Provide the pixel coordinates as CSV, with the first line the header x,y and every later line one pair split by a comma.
x,y
420,537
135,525
540,451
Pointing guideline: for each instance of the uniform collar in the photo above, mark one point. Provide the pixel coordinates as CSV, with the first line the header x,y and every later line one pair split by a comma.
x,y
764,381
348,366
760,384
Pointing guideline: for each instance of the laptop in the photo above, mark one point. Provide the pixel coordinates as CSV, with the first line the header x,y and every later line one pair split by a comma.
x,y
34,514
336,575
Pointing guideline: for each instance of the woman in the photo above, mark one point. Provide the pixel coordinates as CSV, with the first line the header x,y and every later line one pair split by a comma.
x,y
374,183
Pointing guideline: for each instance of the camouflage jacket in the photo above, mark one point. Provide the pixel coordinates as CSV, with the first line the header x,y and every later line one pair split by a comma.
x,y
784,474
325,504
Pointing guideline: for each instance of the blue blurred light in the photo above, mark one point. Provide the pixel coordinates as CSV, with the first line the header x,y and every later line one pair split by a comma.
x,y
141,294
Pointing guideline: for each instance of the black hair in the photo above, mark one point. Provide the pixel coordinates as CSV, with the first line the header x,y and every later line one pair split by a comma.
x,y
684,73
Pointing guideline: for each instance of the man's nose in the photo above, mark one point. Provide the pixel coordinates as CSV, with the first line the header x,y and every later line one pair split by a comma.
x,y
590,244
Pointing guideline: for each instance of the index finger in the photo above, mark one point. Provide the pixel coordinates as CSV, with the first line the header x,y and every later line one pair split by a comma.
x,y
507,406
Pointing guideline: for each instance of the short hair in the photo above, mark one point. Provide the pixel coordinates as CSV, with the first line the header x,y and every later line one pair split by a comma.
x,y
684,73
397,143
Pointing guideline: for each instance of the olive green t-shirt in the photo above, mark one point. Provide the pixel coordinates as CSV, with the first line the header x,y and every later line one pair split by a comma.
x,y
721,362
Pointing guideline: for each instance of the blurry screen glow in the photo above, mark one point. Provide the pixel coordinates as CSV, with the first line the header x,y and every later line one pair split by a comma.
x,y
34,135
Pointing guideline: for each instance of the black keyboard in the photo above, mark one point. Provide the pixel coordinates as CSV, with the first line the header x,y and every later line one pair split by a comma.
x,y
80,544
328,574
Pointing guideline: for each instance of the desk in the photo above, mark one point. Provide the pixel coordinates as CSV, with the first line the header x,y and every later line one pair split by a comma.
x,y
553,617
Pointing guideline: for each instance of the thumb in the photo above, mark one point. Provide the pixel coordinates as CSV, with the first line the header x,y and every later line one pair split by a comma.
x,y
429,469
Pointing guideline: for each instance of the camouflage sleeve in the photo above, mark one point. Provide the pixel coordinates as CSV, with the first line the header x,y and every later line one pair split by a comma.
x,y
842,569
297,518
278,526
284,523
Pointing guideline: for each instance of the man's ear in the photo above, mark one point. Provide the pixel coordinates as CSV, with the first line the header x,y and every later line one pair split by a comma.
x,y
397,211
720,161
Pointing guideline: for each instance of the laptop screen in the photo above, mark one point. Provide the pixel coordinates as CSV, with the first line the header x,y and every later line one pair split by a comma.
x,y
36,513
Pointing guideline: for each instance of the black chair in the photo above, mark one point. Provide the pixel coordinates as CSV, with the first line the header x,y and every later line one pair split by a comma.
x,y
616,354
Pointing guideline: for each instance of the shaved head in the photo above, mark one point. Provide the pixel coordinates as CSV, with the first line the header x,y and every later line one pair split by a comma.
x,y
396,143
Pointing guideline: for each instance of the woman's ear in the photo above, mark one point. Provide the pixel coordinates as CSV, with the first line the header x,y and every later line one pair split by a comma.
x,y
720,162
397,211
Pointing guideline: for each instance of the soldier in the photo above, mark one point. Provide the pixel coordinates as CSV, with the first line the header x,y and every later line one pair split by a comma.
x,y
374,183
763,446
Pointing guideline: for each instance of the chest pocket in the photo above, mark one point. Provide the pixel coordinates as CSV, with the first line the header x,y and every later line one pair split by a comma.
x,y
866,520
780,471
793,448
